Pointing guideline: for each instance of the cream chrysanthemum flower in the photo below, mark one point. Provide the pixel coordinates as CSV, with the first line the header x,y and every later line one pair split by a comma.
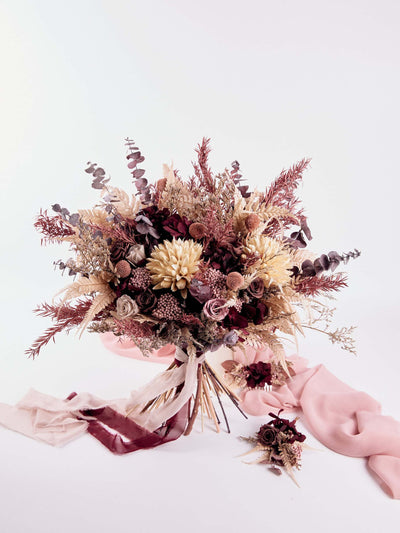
x,y
174,263
274,263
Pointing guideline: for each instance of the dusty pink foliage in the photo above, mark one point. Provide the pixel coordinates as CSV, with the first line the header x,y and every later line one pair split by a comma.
x,y
317,285
131,328
66,317
53,228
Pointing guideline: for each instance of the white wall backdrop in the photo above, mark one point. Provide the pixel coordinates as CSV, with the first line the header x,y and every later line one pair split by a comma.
x,y
270,82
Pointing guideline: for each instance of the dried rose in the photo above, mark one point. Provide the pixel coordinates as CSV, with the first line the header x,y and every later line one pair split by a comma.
x,y
118,251
136,254
146,301
268,435
216,309
256,288
126,307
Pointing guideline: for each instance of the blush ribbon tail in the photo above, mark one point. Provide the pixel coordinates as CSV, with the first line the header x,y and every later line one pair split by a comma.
x,y
345,420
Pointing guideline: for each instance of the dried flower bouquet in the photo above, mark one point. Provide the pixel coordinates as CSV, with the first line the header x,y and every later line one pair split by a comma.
x,y
199,263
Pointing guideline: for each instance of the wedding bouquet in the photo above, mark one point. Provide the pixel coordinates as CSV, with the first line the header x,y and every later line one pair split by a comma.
x,y
198,263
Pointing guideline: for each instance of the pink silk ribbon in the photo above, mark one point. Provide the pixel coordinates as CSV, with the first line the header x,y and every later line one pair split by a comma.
x,y
345,420
56,422
127,348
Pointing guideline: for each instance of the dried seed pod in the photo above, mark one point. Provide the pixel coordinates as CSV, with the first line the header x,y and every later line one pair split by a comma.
x,y
197,230
234,281
123,269
252,222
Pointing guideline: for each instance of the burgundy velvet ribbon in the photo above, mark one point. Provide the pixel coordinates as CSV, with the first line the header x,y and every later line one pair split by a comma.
x,y
126,435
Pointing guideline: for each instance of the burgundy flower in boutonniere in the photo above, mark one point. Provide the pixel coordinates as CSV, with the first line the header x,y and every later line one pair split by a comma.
x,y
258,374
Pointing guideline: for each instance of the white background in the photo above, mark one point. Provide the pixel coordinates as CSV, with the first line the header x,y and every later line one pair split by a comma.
x,y
270,82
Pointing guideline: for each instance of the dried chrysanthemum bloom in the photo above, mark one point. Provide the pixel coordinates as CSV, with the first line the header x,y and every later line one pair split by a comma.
x,y
174,263
274,262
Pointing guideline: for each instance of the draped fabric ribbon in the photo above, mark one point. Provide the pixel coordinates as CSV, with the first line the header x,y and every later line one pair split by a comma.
x,y
123,435
343,419
56,421
185,375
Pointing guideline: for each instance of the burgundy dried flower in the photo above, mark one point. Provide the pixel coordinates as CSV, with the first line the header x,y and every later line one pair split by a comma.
x,y
268,435
258,374
226,257
118,251
146,301
255,312
177,226
234,320
288,427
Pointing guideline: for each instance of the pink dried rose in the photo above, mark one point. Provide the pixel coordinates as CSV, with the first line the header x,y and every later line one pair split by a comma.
x,y
216,309
256,288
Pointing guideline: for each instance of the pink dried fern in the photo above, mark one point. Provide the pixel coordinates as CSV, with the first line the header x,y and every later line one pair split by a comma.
x,y
117,232
66,316
318,285
202,171
132,328
53,228
281,193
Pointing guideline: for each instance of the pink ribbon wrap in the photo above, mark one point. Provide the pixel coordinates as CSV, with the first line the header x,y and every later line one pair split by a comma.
x,y
345,420
127,348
